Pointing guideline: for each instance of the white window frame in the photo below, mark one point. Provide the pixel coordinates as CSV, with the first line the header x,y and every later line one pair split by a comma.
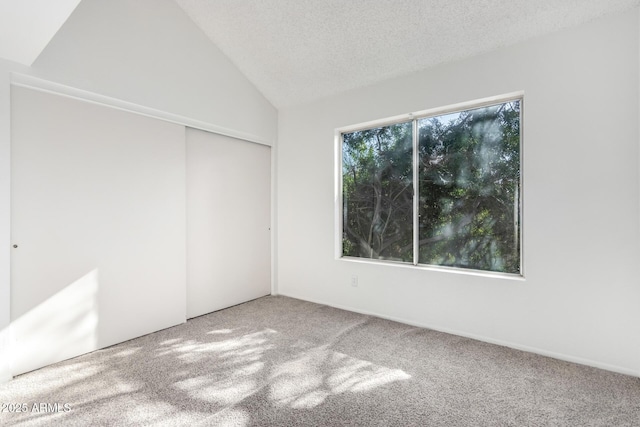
x,y
414,117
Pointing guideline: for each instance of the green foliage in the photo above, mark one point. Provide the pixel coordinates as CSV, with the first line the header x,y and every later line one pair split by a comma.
x,y
378,193
468,188
469,178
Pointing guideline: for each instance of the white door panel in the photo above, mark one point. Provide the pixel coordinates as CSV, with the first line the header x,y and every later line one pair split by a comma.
x,y
228,220
98,215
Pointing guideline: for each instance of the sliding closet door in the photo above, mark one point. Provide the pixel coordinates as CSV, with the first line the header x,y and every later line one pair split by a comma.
x,y
98,227
228,220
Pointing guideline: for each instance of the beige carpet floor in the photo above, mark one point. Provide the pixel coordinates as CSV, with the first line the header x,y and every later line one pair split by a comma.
x,y
278,361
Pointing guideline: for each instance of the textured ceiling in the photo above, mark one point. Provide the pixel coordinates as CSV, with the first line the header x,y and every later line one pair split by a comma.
x,y
296,51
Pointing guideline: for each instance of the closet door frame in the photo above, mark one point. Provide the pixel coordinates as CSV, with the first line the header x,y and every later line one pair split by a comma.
x,y
16,79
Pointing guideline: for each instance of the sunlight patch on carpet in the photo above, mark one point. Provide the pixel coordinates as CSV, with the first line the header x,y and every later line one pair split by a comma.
x,y
314,375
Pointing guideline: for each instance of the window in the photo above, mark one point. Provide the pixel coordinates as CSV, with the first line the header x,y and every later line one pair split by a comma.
x,y
437,189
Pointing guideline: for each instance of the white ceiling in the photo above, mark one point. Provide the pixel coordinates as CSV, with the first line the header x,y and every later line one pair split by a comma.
x,y
27,26
297,51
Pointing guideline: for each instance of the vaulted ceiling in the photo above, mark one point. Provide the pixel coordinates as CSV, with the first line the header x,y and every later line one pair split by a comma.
x,y
300,50
27,26
296,51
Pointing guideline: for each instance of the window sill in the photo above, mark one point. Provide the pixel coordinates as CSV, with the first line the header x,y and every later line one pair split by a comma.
x,y
442,269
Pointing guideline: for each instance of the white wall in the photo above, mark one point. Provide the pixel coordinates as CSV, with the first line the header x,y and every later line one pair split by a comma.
x,y
580,298
150,52
5,229
26,26
5,210
147,52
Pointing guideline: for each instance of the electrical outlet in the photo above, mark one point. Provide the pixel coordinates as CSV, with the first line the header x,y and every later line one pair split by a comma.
x,y
354,281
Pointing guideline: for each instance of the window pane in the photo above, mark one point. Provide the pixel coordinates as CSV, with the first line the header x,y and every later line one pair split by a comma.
x,y
378,193
469,180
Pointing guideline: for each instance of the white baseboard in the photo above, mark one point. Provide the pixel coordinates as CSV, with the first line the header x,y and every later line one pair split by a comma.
x,y
516,346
